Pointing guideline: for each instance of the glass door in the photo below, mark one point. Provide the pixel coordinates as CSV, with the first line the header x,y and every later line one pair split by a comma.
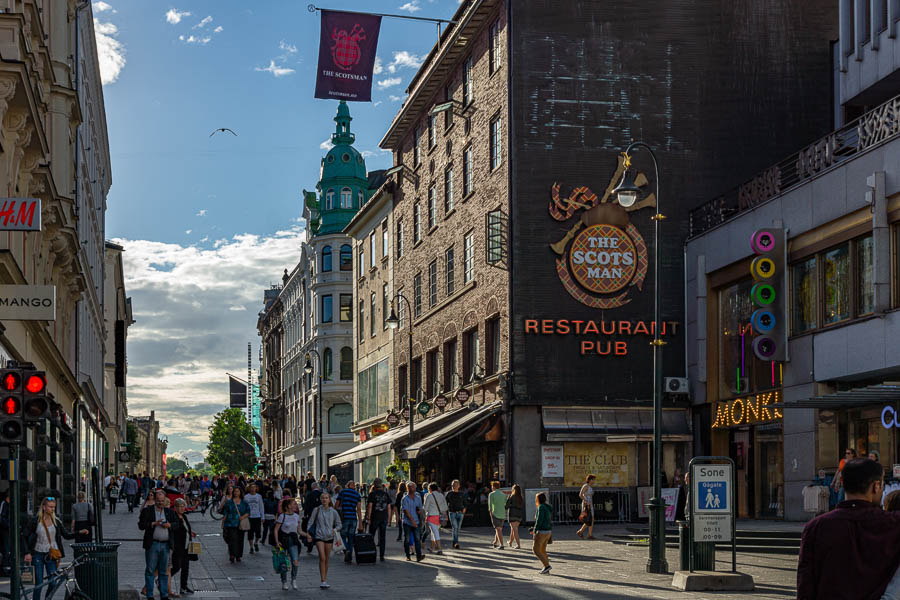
x,y
770,481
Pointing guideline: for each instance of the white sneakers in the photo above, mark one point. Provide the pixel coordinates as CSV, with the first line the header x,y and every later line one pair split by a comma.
x,y
324,585
293,584
284,585
545,571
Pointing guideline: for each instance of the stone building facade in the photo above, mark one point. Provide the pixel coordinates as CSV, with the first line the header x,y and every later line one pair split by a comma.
x,y
118,317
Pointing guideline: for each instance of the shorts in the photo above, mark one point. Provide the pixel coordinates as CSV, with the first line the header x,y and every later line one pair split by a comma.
x,y
497,521
435,529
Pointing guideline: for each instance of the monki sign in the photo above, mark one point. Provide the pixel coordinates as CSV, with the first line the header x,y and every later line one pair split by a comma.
x,y
748,410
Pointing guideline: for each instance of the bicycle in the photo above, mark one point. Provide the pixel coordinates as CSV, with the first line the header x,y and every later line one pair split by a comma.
x,y
214,511
64,576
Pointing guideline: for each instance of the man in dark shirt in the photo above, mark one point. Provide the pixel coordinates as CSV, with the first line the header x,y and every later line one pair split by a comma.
x,y
378,514
851,553
310,502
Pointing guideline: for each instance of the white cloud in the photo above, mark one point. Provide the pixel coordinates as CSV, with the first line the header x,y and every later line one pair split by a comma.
x,y
237,308
393,98
203,22
326,145
174,16
376,103
275,69
389,82
379,67
367,153
103,7
188,232
403,59
288,48
411,6
187,335
201,213
110,51
195,39
218,29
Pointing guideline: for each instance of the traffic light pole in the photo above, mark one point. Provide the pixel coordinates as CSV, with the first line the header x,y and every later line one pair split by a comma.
x,y
15,582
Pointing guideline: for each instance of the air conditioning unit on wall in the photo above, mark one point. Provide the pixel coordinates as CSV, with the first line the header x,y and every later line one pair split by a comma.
x,y
676,385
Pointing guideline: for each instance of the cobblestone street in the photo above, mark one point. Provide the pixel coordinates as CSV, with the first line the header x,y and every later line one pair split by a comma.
x,y
581,569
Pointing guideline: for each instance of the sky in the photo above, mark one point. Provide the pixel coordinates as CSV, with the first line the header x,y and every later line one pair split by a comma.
x,y
209,222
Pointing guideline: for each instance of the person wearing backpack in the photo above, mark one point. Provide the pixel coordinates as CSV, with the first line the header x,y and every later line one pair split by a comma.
x,y
378,514
112,494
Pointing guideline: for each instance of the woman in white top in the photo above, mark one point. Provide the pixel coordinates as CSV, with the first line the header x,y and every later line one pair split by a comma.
x,y
323,521
587,508
43,540
276,490
287,532
435,506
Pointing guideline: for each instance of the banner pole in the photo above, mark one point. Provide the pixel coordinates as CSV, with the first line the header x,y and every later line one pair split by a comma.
x,y
313,8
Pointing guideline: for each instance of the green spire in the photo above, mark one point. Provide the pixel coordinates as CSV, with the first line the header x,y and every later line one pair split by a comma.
x,y
342,133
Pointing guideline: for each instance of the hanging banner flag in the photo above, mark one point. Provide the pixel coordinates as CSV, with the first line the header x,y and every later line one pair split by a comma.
x,y
347,56
237,392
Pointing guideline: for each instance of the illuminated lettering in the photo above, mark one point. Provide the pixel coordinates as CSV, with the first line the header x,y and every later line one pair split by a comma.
x,y
591,327
531,326
750,410
621,348
562,327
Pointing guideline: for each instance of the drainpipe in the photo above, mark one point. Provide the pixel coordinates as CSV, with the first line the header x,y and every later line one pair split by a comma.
x,y
881,242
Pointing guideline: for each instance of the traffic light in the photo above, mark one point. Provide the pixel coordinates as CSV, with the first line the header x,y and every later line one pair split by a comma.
x,y
12,425
36,405
768,269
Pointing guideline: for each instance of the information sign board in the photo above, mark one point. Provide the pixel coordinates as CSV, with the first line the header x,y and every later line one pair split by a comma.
x,y
712,496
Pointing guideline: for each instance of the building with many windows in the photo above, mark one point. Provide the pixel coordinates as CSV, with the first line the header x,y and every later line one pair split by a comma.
x,y
118,317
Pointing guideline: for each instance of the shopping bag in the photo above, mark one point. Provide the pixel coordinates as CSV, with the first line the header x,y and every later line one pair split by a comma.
x,y
280,560
194,548
338,544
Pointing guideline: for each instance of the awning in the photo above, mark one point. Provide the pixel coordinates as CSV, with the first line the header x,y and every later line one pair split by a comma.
x,y
881,393
455,428
627,424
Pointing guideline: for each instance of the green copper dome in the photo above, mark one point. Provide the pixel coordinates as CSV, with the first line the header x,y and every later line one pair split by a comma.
x,y
343,181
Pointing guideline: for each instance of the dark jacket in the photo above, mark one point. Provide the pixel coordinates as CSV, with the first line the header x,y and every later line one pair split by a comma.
x,y
182,534
311,501
29,533
145,524
850,553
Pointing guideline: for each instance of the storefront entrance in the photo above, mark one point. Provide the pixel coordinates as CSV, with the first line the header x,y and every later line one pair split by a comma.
x,y
758,455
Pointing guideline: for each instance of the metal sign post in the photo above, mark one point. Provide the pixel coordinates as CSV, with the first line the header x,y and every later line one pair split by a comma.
x,y
712,507
15,533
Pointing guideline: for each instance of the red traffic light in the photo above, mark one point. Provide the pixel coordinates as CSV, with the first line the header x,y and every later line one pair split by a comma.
x,y
35,384
11,381
11,406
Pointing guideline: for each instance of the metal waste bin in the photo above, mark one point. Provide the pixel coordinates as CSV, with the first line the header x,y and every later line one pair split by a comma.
x,y
99,576
704,552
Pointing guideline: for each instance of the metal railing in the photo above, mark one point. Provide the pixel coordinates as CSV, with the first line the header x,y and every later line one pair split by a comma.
x,y
874,127
610,506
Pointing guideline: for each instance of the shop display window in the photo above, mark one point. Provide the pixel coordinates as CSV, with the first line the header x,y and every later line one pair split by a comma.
x,y
803,296
741,373
865,268
836,278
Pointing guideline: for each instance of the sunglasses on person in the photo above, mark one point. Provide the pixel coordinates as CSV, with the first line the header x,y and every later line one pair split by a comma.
x,y
49,499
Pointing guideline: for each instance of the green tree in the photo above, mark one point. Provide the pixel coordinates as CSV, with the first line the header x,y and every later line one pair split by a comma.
x,y
175,466
134,449
228,452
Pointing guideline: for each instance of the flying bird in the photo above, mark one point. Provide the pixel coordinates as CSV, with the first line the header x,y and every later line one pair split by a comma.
x,y
223,129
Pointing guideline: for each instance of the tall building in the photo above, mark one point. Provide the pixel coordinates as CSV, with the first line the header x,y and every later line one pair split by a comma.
x,y
118,317
789,423
530,290
317,316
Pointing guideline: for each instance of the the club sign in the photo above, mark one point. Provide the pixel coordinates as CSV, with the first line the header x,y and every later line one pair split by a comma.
x,y
27,303
20,214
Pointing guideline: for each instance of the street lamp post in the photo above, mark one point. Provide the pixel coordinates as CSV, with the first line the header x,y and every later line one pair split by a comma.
x,y
308,369
627,193
394,323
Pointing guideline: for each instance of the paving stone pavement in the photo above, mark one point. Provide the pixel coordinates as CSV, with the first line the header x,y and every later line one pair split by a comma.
x,y
581,569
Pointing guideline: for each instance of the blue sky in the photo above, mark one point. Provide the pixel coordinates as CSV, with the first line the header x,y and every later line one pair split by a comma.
x,y
208,222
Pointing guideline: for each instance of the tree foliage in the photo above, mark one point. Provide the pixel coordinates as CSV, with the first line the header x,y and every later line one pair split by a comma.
x,y
227,450
175,466
134,449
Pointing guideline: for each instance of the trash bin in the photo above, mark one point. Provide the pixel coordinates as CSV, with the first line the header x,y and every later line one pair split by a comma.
x,y
704,552
99,576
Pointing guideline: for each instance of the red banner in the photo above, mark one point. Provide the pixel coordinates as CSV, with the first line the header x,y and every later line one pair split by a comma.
x,y
347,56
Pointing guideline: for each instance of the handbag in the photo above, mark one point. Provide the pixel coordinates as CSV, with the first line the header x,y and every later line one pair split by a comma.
x,y
584,517
195,548
54,553
244,524
27,574
311,528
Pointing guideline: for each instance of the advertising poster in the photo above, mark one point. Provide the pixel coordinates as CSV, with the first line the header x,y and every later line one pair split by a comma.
x,y
552,461
347,56
612,464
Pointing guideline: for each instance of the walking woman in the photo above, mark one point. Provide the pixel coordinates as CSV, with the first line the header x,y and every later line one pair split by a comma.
x,y
398,509
82,519
112,494
587,508
542,531
323,522
515,514
456,504
44,542
270,507
287,532
182,538
435,507
235,523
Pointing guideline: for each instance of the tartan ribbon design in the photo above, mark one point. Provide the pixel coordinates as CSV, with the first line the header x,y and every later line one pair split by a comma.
x,y
604,302
346,52
563,209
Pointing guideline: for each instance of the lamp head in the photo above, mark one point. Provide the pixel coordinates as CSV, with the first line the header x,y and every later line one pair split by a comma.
x,y
308,368
627,192
392,320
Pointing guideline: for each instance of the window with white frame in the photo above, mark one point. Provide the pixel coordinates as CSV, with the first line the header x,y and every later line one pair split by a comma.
x,y
468,257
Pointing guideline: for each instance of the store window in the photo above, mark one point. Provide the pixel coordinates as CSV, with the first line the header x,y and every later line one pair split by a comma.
x,y
740,372
339,418
865,269
803,297
836,277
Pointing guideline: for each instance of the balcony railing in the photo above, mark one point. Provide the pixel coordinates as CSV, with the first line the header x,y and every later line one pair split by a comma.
x,y
874,127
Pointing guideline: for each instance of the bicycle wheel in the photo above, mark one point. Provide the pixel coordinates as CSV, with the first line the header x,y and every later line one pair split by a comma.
x,y
76,595
215,513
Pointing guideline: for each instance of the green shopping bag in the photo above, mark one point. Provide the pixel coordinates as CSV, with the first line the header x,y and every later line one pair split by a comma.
x,y
280,560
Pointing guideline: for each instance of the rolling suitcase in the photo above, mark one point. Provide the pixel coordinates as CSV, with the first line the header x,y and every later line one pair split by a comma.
x,y
364,548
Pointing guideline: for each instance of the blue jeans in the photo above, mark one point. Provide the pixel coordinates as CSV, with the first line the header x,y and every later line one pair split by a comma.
x,y
41,561
156,558
456,519
348,534
294,551
411,534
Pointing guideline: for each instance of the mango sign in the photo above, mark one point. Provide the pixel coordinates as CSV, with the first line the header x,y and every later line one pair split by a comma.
x,y
612,463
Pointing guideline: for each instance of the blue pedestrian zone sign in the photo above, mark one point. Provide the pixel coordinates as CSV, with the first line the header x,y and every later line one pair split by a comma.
x,y
713,495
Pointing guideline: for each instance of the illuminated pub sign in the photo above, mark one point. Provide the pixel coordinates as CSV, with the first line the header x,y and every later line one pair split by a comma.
x,y
748,410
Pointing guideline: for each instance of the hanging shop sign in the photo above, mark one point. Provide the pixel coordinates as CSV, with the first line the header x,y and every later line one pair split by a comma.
x,y
462,396
20,214
441,402
551,461
612,464
347,45
748,410
424,408
27,303
393,419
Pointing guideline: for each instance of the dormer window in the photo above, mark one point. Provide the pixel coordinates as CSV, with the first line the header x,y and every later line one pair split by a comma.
x,y
346,198
329,199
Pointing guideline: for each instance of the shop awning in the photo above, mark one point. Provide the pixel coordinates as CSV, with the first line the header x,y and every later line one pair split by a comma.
x,y
881,393
613,424
460,425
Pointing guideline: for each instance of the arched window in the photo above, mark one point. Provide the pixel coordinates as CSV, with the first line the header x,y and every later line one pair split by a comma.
x,y
347,258
346,198
326,259
346,363
327,369
329,199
